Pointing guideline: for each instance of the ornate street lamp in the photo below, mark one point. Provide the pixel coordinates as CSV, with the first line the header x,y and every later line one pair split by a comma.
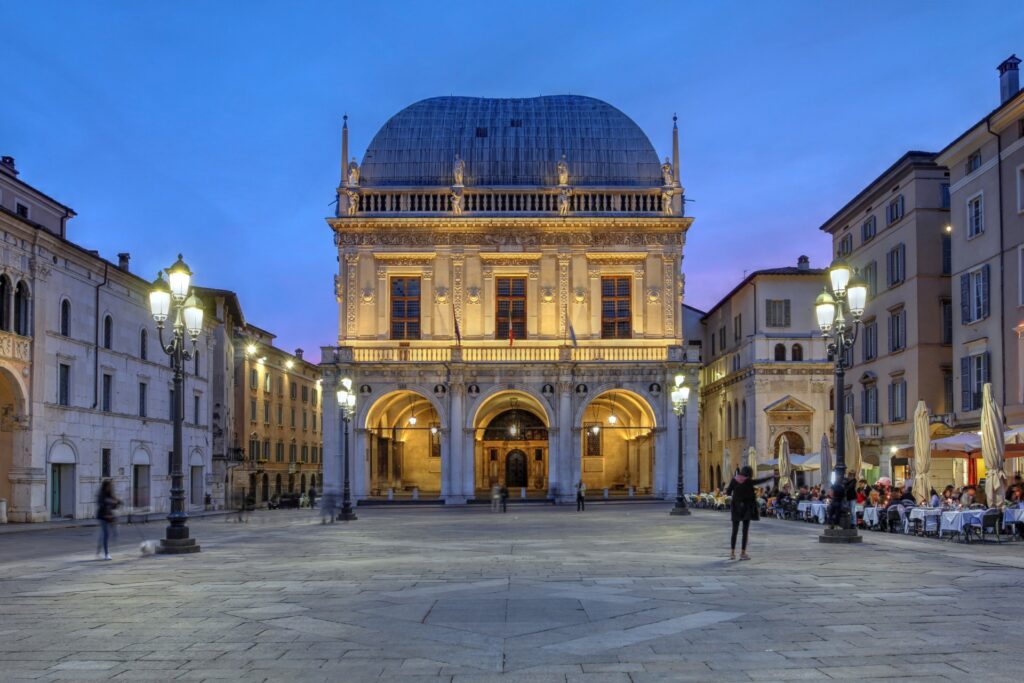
x,y
839,309
680,396
347,406
175,301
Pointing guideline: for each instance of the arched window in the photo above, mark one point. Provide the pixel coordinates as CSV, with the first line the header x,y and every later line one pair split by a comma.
x,y
5,303
798,352
780,352
728,421
21,305
265,489
143,344
831,399
277,485
743,429
195,359
108,332
65,318
302,483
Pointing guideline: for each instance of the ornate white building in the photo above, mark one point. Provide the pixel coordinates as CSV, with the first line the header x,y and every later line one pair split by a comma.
x,y
509,288
84,387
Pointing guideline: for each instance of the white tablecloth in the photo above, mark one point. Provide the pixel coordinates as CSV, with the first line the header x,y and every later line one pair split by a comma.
x,y
921,513
1013,516
955,522
818,510
870,516
802,506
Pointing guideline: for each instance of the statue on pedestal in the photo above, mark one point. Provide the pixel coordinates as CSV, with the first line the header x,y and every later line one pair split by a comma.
x,y
456,203
666,172
353,172
563,203
666,203
458,170
563,171
353,202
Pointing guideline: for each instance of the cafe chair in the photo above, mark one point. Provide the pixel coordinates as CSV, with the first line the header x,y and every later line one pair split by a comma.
x,y
992,523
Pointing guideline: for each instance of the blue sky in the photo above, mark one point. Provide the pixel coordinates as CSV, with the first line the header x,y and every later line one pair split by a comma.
x,y
213,128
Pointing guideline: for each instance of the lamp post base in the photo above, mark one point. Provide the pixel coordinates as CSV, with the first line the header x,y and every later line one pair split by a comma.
x,y
347,516
679,510
177,546
840,536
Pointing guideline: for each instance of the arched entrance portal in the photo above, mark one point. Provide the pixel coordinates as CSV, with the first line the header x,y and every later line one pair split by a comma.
x,y
796,444
617,444
511,444
403,445
10,405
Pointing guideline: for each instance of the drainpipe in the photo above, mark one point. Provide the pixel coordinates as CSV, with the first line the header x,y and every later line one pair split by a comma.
x,y
96,342
1002,255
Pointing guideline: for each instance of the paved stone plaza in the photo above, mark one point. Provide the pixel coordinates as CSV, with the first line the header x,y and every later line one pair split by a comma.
x,y
623,592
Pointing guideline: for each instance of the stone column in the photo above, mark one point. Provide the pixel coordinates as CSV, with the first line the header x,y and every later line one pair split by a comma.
x,y
691,465
559,484
332,453
459,467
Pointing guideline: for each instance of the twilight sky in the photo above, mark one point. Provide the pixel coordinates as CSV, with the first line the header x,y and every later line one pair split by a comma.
x,y
214,128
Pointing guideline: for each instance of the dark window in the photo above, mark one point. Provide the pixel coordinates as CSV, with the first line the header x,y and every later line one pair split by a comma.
x,y
868,229
21,209
516,123
291,453
65,318
108,390
798,352
947,255
481,132
510,308
143,344
293,390
64,384
21,298
195,363
405,308
945,195
947,321
973,162
195,410
616,315
5,308
780,352
105,463
593,431
108,332
777,313
305,393
142,399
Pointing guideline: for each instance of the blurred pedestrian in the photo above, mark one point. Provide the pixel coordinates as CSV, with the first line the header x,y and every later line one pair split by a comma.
x,y
328,507
581,496
504,498
106,503
312,497
744,506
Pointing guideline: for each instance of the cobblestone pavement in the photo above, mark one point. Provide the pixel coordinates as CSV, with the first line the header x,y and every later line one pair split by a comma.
x,y
619,593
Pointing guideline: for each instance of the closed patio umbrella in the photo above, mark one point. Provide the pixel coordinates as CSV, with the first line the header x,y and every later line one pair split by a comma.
x,y
826,461
852,455
726,466
992,446
922,452
785,469
752,460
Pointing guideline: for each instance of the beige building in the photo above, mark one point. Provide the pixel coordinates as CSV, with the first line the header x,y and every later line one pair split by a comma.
x,y
765,374
277,420
986,165
895,234
509,293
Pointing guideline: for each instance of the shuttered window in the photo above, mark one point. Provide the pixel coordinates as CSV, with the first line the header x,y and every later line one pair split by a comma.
x,y
975,371
974,295
616,316
405,308
777,313
510,307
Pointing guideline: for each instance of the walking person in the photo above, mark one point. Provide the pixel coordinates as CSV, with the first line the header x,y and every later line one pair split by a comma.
x,y
504,498
744,507
312,497
106,503
581,496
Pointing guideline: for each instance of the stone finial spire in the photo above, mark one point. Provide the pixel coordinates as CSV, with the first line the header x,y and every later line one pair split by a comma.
x,y
675,147
344,148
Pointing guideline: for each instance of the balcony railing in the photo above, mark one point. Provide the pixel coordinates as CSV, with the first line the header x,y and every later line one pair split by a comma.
x,y
508,354
15,346
869,431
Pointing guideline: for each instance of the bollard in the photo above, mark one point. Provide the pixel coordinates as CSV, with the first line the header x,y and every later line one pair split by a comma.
x,y
630,491
3,511
391,494
522,492
416,493
606,493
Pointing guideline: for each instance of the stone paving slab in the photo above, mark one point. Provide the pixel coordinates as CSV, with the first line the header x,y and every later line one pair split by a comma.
x,y
616,594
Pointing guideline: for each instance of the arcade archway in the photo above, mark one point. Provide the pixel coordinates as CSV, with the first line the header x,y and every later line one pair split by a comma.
x,y
510,440
617,444
403,446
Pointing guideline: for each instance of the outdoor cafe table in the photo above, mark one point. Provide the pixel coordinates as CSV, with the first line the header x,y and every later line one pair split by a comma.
x,y
920,514
957,521
870,516
1013,516
817,509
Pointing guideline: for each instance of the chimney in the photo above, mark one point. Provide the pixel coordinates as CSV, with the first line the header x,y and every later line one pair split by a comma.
x,y
7,164
122,261
1009,79
803,263
298,353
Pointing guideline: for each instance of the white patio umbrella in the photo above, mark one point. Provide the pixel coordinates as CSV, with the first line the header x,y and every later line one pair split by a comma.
x,y
826,461
965,443
992,446
785,469
852,455
922,452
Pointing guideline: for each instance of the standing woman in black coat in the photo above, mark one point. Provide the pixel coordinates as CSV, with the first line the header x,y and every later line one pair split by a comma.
x,y
744,506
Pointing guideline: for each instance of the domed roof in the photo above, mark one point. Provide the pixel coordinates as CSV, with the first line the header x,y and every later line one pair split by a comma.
x,y
511,142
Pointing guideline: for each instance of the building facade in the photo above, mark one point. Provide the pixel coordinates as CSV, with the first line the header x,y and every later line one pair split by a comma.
x,y
895,233
509,291
277,419
85,389
986,166
766,374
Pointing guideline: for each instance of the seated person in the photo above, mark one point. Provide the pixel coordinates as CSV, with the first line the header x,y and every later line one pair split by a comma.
x,y
908,494
967,497
803,494
949,497
934,500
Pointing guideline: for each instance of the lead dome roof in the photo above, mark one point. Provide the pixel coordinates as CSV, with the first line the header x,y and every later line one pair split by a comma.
x,y
511,142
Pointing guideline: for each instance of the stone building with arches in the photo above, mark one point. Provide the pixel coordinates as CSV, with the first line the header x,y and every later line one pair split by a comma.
x,y
766,372
509,294
84,386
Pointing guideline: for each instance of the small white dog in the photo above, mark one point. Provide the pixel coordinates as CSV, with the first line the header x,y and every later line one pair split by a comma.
x,y
147,547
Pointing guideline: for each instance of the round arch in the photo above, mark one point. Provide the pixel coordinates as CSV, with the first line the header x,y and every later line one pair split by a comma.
x,y
617,437
403,431
796,443
511,446
636,398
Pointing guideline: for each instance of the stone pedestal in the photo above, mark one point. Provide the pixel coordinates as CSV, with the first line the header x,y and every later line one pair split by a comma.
x,y
840,536
177,546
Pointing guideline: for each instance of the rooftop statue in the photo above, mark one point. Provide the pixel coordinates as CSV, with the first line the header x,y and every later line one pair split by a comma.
x,y
563,171
458,170
666,172
456,203
563,203
666,202
353,172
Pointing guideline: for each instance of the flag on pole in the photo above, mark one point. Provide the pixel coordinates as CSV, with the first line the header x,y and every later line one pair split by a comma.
x,y
572,335
458,333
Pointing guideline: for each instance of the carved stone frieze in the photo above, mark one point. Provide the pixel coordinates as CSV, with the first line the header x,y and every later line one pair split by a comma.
x,y
507,238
